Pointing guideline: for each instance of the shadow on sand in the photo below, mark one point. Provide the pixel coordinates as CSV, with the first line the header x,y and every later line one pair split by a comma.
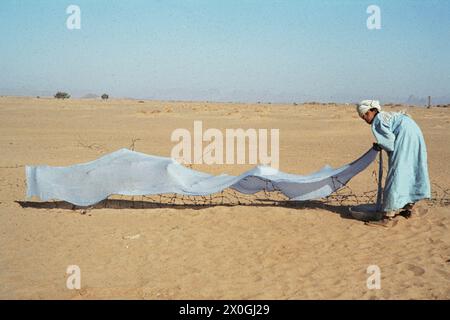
x,y
342,210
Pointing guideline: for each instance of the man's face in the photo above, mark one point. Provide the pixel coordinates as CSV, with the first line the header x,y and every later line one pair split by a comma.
x,y
368,117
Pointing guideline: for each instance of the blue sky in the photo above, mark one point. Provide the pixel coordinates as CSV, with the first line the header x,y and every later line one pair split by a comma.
x,y
227,50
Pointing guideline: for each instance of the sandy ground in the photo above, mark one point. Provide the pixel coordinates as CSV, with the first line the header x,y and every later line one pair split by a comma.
x,y
221,252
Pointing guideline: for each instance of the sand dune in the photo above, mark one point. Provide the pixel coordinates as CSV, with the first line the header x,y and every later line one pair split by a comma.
x,y
129,249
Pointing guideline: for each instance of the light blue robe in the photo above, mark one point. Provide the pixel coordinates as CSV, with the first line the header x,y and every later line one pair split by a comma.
x,y
407,178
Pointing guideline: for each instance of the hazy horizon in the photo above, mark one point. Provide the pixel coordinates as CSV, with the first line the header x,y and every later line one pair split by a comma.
x,y
228,51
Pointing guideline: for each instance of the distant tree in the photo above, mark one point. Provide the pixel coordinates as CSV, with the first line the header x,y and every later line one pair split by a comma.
x,y
105,96
62,95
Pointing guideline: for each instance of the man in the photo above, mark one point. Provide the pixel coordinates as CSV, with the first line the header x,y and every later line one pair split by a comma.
x,y
407,179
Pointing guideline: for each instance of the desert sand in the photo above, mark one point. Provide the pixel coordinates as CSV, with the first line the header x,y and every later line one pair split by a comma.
x,y
313,250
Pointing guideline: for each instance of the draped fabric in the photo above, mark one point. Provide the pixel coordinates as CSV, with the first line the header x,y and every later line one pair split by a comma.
x,y
126,172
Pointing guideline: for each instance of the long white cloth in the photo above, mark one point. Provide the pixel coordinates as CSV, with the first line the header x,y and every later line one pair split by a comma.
x,y
131,173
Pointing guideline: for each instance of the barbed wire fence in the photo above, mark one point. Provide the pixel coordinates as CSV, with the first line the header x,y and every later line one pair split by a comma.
x,y
344,196
269,196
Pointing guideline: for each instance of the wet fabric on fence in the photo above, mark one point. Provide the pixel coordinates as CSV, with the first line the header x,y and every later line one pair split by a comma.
x,y
131,173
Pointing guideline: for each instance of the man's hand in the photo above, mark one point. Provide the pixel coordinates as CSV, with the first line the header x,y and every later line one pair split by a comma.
x,y
377,147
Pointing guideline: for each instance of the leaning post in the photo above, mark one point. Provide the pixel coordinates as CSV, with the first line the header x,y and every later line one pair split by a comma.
x,y
380,178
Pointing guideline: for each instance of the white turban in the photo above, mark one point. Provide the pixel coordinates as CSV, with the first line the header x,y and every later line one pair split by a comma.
x,y
366,105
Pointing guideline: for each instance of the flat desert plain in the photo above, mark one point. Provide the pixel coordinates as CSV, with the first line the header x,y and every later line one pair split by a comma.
x,y
308,250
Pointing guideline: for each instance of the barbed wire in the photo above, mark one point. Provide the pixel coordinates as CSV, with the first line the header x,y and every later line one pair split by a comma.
x,y
440,196
344,196
270,195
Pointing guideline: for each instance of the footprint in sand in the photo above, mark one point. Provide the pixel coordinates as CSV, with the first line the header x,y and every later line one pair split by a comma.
x,y
443,273
421,211
416,270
